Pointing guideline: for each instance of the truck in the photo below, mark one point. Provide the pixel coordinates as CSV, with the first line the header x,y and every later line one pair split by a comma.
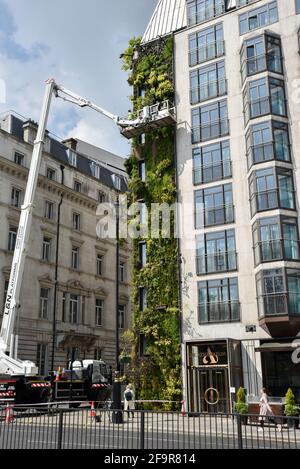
x,y
87,380
20,382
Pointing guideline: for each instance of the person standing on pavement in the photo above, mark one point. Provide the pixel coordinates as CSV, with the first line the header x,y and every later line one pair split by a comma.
x,y
129,405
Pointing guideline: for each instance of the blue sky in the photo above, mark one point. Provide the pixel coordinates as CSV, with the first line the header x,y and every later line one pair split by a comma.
x,y
78,43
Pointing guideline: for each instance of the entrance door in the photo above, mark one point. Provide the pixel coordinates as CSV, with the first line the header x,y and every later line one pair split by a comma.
x,y
213,390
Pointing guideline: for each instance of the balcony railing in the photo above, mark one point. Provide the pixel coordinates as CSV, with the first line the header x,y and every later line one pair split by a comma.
x,y
272,199
219,312
261,63
215,129
205,13
268,151
220,215
264,106
209,90
214,172
278,249
279,304
205,53
218,262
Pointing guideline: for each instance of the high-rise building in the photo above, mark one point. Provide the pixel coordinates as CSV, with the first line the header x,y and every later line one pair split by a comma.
x,y
236,78
68,294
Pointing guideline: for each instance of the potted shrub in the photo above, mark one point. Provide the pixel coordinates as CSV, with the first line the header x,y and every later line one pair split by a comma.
x,y
241,407
291,410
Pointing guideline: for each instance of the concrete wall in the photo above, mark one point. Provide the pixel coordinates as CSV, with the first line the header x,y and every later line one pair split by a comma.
x,y
287,28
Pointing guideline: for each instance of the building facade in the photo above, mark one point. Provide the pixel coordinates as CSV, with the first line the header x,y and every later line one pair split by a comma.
x,y
237,70
68,296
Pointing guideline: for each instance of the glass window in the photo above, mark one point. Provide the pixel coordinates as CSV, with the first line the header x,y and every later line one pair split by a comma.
x,y
49,210
122,310
16,197
218,301
99,264
275,238
99,312
210,122
143,254
270,189
212,163
206,44
264,96
207,82
216,252
199,11
44,303
51,174
19,158
12,237
46,252
74,309
260,54
268,141
75,257
76,221
258,18
214,206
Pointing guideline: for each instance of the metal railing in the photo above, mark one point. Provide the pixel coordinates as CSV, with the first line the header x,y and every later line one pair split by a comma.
x,y
205,13
278,249
86,428
206,52
274,104
212,172
268,151
209,90
220,215
279,304
222,261
219,311
261,63
210,131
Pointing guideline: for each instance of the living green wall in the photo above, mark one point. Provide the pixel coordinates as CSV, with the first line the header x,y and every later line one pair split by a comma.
x,y
158,374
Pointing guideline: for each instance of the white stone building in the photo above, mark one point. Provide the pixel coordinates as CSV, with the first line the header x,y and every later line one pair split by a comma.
x,y
68,298
237,71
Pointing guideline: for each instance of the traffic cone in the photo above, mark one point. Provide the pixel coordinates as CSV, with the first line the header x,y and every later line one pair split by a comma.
x,y
183,412
93,413
9,418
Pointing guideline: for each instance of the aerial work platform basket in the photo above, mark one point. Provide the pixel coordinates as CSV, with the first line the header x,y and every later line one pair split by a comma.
x,y
151,117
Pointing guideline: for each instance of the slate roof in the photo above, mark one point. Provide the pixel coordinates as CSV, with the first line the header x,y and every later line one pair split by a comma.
x,y
59,151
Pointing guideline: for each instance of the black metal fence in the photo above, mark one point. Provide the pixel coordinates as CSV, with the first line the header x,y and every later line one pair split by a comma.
x,y
85,428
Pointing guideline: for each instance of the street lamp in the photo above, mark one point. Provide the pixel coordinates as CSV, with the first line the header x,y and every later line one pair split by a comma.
x,y
117,416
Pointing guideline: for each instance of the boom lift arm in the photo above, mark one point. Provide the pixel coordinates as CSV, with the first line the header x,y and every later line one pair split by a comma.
x,y
154,116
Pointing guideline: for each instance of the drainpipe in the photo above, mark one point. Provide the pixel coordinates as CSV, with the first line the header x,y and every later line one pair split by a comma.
x,y
56,271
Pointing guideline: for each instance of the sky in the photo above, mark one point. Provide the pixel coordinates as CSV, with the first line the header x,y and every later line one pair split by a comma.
x,y
77,42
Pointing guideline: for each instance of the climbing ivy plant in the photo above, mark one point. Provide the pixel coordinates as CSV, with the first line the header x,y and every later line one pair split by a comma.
x,y
156,374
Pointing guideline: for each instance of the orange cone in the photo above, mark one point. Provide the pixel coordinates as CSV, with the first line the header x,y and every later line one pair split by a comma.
x,y
183,412
93,413
9,418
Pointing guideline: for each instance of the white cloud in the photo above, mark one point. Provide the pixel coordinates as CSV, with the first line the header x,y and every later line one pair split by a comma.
x,y
79,44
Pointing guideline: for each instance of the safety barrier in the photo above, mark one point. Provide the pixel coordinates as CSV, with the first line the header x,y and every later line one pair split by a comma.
x,y
93,426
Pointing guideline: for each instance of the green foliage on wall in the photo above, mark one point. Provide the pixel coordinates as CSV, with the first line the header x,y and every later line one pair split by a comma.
x,y
158,374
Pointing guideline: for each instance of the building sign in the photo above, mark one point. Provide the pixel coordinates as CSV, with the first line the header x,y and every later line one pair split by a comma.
x,y
210,355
